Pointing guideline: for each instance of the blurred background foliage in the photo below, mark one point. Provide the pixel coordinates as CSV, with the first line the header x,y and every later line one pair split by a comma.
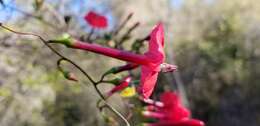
x,y
215,44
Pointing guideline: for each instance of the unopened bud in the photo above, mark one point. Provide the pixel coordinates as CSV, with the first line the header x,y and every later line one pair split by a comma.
x,y
122,85
70,76
111,43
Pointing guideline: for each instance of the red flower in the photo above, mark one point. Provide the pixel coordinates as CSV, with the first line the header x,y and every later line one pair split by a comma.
x,y
150,62
149,73
184,122
96,20
171,113
173,106
124,83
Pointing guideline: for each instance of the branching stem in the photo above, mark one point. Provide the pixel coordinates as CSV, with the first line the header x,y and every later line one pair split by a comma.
x,y
75,65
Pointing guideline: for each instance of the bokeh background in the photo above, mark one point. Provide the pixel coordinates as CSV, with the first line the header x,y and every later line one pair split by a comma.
x,y
215,43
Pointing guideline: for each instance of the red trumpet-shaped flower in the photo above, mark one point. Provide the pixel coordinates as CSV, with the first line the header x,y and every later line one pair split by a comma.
x,y
150,62
171,112
96,20
122,85
149,73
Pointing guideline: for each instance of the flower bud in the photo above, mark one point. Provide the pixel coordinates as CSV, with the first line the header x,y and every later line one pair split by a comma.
x,y
123,84
70,76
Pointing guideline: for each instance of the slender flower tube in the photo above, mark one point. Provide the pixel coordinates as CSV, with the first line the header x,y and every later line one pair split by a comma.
x,y
150,61
150,108
118,69
128,66
96,20
110,52
115,53
152,102
150,114
171,113
124,83
185,122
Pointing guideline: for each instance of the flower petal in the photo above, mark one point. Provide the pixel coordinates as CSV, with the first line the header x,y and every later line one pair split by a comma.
x,y
156,45
156,56
148,81
173,106
96,20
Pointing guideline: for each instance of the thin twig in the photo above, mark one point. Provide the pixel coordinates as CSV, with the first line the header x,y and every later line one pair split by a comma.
x,y
90,34
32,16
121,26
127,34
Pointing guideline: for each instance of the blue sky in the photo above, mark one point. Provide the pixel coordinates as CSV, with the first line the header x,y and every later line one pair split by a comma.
x,y
75,7
177,3
6,13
